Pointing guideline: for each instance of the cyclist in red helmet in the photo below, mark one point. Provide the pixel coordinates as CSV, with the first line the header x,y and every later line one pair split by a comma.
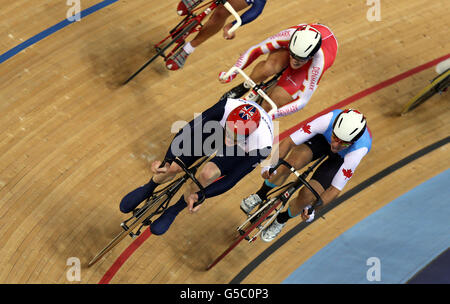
x,y
239,133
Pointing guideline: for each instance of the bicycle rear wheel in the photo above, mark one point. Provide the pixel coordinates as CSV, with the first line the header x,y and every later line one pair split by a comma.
x,y
142,216
160,51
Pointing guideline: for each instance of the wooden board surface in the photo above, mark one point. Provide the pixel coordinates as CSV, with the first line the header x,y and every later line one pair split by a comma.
x,y
73,142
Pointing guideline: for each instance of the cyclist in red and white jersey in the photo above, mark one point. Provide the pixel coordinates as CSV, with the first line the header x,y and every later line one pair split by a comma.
x,y
305,50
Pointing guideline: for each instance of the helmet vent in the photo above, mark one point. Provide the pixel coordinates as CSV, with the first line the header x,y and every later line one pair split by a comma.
x,y
354,131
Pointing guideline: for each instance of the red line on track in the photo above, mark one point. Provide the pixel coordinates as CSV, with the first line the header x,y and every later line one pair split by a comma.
x,y
146,234
124,256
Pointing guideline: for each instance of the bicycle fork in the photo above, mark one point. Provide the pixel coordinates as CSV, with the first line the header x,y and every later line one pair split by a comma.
x,y
263,214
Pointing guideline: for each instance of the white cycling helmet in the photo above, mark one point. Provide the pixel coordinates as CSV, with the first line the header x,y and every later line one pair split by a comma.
x,y
305,42
349,125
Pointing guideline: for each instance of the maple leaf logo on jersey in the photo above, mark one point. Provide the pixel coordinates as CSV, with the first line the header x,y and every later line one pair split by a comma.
x,y
306,128
347,173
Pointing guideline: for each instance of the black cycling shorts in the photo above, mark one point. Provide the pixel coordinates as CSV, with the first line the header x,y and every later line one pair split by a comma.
x,y
325,173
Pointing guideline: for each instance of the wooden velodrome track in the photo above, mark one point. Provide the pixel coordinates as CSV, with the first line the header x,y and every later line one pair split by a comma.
x,y
73,142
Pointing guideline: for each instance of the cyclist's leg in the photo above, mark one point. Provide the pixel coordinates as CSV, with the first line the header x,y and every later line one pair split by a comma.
x,y
211,27
227,165
321,180
275,62
130,201
206,176
217,21
279,96
287,87
304,198
299,157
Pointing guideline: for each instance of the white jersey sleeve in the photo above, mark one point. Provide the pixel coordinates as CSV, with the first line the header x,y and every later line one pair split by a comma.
x,y
310,84
309,130
272,43
345,172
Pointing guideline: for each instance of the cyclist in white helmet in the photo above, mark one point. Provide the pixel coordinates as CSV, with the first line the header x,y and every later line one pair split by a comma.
x,y
305,50
343,136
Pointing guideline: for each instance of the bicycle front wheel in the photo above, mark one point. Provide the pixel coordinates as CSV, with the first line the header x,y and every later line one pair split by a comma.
x,y
434,87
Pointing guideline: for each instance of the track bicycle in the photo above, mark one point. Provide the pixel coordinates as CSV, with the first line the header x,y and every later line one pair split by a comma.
x,y
190,24
439,85
156,204
265,86
270,208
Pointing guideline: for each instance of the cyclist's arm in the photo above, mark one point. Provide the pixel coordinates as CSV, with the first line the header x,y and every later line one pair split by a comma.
x,y
351,161
280,151
308,87
330,194
253,12
311,129
345,172
270,44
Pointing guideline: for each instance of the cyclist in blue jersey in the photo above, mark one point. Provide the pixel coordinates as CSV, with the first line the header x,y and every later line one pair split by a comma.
x,y
343,136
213,25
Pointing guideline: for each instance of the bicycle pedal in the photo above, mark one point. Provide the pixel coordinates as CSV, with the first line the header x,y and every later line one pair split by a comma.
x,y
124,226
146,222
242,232
134,235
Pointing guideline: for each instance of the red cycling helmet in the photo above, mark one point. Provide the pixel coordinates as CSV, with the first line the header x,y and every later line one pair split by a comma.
x,y
243,120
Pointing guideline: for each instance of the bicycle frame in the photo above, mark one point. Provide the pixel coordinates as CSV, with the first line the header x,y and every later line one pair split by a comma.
x,y
283,198
189,25
253,86
143,215
253,221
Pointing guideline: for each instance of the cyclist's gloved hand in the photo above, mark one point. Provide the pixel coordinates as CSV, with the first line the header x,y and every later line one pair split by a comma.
x,y
227,35
228,79
265,173
191,200
306,215
156,167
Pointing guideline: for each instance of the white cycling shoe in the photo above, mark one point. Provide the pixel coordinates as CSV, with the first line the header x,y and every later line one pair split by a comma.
x,y
249,203
271,232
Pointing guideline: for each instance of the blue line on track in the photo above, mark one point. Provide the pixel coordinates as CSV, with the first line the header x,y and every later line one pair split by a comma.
x,y
53,29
